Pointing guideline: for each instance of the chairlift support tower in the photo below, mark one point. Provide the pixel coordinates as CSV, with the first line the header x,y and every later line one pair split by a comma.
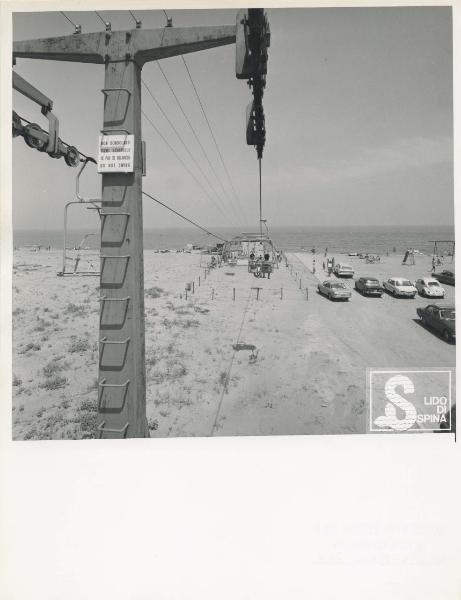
x,y
436,243
122,380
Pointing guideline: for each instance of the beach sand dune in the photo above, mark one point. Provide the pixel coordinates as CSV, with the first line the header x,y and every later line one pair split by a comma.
x,y
226,360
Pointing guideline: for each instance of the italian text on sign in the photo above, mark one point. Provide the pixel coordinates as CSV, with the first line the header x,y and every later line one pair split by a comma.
x,y
116,154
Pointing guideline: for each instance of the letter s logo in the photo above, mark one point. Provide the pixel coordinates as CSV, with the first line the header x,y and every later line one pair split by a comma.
x,y
390,417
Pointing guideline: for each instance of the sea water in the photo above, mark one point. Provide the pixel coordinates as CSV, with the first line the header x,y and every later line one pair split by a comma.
x,y
374,240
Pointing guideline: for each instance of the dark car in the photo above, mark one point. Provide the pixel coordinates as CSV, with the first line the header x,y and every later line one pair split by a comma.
x,y
445,277
441,318
369,286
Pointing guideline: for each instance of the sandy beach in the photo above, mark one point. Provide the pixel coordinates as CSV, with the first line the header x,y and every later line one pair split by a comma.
x,y
277,361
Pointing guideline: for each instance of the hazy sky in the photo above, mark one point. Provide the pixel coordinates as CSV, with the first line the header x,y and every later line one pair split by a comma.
x,y
358,111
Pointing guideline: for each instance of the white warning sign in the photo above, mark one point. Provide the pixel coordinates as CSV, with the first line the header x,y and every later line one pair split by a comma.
x,y
116,154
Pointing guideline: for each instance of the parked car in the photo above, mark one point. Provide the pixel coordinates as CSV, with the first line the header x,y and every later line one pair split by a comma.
x,y
369,286
335,290
399,286
429,287
344,270
441,318
445,277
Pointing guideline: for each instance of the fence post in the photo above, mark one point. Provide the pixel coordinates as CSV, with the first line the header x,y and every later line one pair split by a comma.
x,y
193,287
300,283
199,280
212,293
307,294
281,293
233,293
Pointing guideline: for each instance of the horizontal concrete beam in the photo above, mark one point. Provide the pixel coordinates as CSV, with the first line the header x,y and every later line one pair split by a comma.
x,y
142,45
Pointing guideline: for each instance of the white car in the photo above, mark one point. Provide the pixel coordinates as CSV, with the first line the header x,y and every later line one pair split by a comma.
x,y
399,286
342,270
335,290
430,287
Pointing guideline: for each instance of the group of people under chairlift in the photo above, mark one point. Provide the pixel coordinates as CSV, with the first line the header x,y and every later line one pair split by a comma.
x,y
260,266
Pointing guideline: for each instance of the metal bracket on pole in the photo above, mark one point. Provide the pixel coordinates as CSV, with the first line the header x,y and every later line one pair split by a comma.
x,y
108,131
122,387
53,133
102,429
26,89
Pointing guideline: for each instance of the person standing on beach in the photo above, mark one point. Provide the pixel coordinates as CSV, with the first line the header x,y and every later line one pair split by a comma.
x,y
267,266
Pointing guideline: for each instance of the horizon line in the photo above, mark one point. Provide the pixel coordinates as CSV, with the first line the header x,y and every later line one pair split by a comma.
x,y
248,228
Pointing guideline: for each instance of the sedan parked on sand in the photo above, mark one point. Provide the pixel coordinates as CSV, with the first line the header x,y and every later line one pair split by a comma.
x,y
335,290
441,318
445,277
399,286
429,287
369,286
343,270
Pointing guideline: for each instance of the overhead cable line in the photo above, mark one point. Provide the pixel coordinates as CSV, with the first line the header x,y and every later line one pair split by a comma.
x,y
70,20
210,128
100,17
178,102
215,201
260,201
184,144
193,130
184,217
191,173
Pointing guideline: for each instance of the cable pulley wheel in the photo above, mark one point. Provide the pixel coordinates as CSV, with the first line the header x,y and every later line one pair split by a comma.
x,y
72,157
31,140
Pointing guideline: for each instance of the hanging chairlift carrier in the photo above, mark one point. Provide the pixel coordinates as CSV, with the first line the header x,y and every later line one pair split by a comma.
x,y
237,250
93,205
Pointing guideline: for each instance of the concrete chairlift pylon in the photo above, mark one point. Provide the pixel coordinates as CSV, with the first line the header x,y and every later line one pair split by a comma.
x,y
122,368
